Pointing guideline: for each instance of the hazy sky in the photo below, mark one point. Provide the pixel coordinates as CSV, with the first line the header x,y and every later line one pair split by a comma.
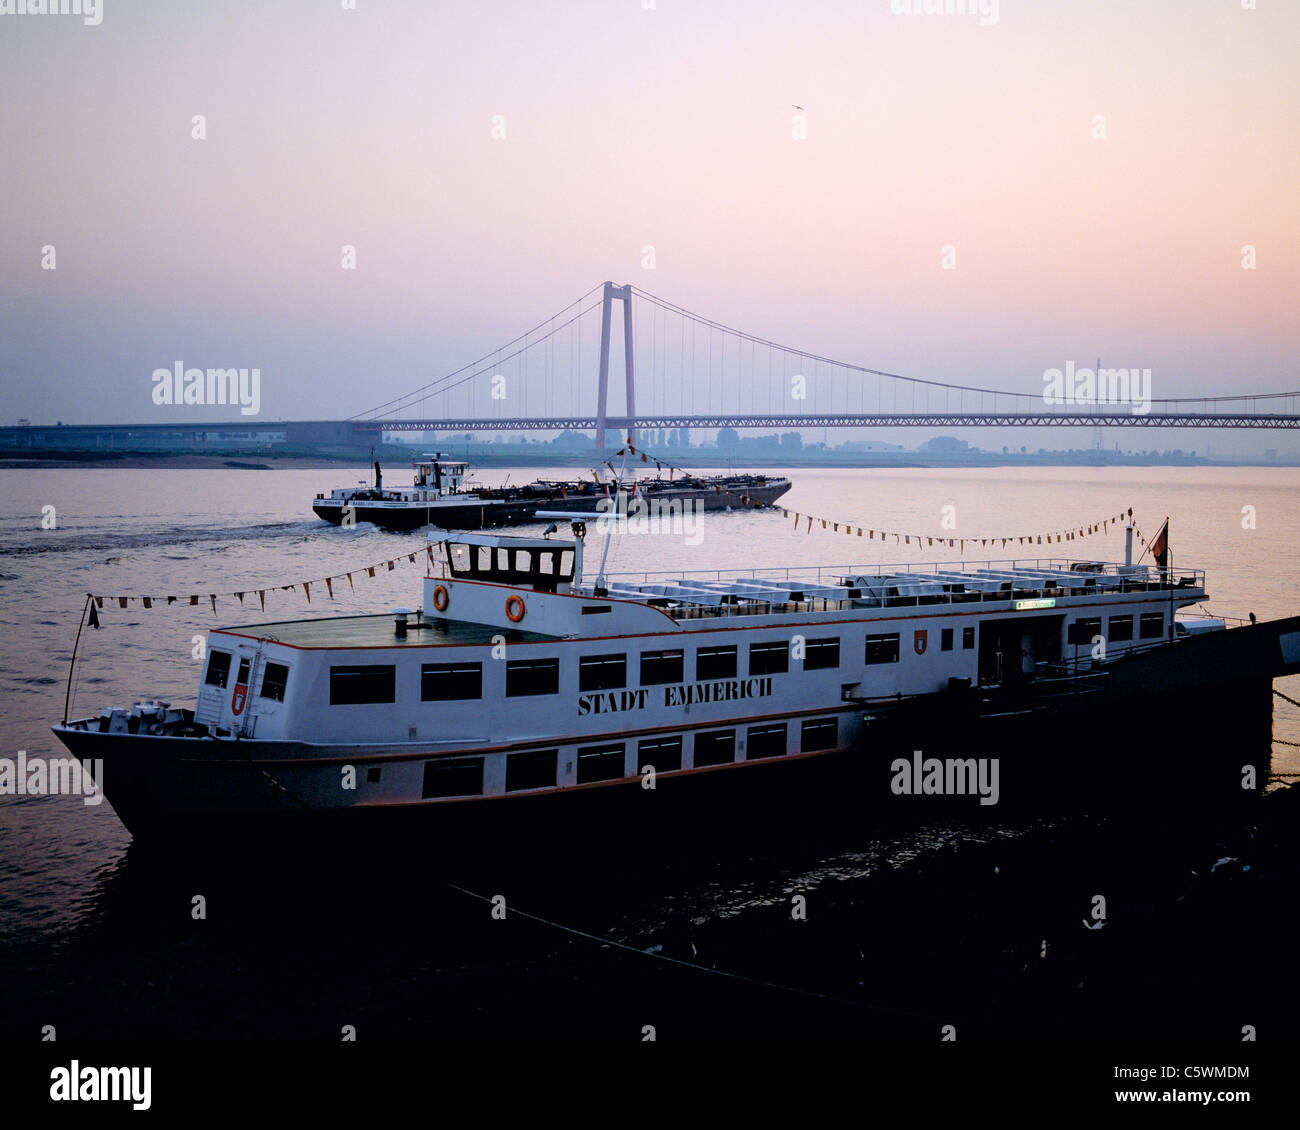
x,y
628,127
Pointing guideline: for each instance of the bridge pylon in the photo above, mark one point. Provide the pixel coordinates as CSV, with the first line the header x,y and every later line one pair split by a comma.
x,y
602,396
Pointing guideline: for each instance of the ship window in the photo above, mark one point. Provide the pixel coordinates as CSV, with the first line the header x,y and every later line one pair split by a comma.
x,y
601,672
1083,631
765,741
523,561
218,668
1121,628
945,640
533,770
715,663
372,775
503,560
440,682
662,667
566,564
718,747
882,649
967,638
485,559
659,754
532,676
600,763
1152,625
821,654
546,563
819,733
354,685
274,681
769,658
462,776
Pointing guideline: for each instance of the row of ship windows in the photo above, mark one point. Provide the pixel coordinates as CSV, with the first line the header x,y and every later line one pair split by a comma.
x,y
442,682
1151,626
538,769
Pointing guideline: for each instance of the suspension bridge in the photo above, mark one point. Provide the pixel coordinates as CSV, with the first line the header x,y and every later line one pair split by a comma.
x,y
679,370
695,372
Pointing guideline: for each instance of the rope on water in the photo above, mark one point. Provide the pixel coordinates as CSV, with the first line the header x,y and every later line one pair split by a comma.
x,y
701,968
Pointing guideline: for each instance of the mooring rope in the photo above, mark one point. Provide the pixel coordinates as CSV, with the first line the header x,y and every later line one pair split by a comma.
x,y
740,977
1285,696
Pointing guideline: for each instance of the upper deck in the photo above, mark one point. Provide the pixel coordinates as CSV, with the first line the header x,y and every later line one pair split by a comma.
x,y
379,631
784,590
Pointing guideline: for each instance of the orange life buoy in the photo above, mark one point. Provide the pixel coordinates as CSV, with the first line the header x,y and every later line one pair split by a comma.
x,y
514,609
440,599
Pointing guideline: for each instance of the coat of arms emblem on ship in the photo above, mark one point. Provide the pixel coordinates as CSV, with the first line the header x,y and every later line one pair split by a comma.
x,y
919,641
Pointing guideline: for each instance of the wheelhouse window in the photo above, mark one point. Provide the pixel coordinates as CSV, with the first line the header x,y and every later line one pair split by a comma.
x,y
819,734
461,776
600,763
715,663
532,677
602,672
442,682
771,658
882,649
765,741
350,686
1121,628
662,667
660,754
275,680
1152,625
218,668
532,770
820,654
718,747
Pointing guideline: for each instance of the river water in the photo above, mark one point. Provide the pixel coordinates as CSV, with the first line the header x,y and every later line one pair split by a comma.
x,y
106,938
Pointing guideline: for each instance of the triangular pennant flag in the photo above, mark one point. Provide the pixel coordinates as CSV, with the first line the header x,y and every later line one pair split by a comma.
x,y
94,615
329,584
306,587
241,598
261,595
213,597
99,602
147,602
411,558
193,601
121,602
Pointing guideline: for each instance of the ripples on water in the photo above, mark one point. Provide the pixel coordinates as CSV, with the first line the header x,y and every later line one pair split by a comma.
x,y
72,890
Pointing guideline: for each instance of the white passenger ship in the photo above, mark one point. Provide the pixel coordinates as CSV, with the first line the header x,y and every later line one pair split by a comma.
x,y
521,681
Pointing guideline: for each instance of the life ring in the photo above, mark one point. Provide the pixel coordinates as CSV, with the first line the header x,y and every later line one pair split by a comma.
x,y
514,609
440,599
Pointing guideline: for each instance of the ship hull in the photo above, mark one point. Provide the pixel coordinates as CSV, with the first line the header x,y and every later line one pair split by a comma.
x,y
1086,752
490,513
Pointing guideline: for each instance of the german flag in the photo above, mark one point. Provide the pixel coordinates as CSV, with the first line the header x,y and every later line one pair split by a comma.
x,y
1160,546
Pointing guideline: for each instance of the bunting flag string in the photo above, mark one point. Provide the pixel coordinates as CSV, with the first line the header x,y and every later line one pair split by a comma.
x,y
953,541
150,601
1068,534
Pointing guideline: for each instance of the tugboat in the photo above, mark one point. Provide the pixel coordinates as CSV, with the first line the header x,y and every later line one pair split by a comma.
x,y
440,497
524,687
